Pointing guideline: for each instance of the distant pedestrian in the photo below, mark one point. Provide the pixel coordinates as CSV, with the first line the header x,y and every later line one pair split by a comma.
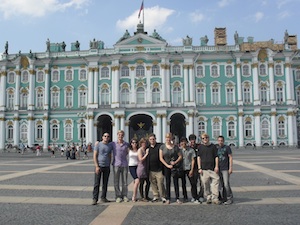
x,y
38,150
254,145
62,150
68,154
52,148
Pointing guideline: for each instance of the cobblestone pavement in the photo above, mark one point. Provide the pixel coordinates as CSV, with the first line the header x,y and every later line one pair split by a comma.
x,y
45,190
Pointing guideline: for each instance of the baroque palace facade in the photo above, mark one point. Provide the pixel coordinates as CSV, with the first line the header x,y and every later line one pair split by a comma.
x,y
249,92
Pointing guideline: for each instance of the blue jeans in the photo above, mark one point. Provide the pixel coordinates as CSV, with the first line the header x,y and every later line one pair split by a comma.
x,y
225,185
122,172
105,171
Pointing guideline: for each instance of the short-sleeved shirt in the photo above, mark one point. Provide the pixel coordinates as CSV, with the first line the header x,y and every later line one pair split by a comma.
x,y
104,153
154,163
223,154
208,154
120,152
170,154
188,154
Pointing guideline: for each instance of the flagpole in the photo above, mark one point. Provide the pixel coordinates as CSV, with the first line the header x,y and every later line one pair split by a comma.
x,y
144,14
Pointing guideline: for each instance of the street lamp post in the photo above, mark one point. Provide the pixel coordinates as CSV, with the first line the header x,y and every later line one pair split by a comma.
x,y
81,115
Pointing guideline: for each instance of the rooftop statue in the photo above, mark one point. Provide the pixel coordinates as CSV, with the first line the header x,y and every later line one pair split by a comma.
x,y
286,36
187,41
94,44
156,35
6,48
77,45
48,45
125,36
63,45
236,38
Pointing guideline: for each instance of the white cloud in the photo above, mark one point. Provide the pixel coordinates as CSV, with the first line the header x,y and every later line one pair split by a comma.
x,y
197,17
223,3
281,3
258,16
284,14
155,17
37,8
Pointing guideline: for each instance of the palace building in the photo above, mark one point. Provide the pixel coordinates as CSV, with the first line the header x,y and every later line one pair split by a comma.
x,y
249,92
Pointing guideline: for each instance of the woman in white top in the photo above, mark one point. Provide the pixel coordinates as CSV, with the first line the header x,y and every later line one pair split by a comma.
x,y
133,163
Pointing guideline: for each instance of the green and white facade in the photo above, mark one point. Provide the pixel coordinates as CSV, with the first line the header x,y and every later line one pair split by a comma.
x,y
248,92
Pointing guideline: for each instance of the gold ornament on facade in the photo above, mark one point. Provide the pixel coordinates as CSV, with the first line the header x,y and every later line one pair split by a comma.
x,y
270,65
141,125
125,63
216,120
140,61
248,119
140,48
132,68
69,67
214,63
45,118
290,113
69,121
24,62
39,123
201,119
156,85
176,84
279,84
55,67
105,86
10,91
90,117
200,85
281,119
176,62
46,71
229,62
18,72
155,62
238,65
9,123
273,113
3,119
257,114
199,62
96,70
186,67
30,118
140,84
229,85
91,69
191,66
287,65
104,64
82,88
3,73
148,67
82,66
125,85
231,118
68,89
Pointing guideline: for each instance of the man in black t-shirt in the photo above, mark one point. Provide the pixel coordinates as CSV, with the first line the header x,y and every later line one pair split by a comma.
x,y
208,167
156,176
225,169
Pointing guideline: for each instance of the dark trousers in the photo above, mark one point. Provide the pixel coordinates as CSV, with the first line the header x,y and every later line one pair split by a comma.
x,y
168,176
147,187
193,182
105,171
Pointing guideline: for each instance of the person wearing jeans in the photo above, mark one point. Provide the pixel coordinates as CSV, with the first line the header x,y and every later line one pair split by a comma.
x,y
101,158
225,169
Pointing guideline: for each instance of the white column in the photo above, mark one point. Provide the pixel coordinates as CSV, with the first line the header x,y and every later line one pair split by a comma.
x,y
126,130
96,91
114,130
17,92
290,130
30,137
16,130
164,126
3,89
115,87
257,132
288,77
47,89
239,84
90,87
46,130
149,87
158,128
31,89
163,85
190,127
2,134
168,78
192,84
90,129
255,84
186,83
273,128
241,129
132,86
122,122
272,84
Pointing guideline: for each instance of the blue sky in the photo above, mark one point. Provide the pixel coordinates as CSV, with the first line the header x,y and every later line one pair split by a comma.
x,y
26,24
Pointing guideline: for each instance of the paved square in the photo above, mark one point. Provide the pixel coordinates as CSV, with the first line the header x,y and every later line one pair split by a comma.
x,y
45,190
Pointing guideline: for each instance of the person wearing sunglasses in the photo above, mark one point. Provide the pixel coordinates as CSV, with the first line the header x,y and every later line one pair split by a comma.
x,y
208,168
101,158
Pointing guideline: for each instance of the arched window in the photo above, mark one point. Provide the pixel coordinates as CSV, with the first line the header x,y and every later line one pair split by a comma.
x,y
124,96
199,72
246,70
140,95
69,75
278,70
248,129
25,77
82,75
231,129
281,128
201,127
125,71
82,133
11,78
216,129
140,71
105,96
40,76
155,95
39,133
68,132
10,132
23,100
155,70
104,72
55,76
54,133
24,132
262,69
265,130
214,71
177,95
176,70
229,72
39,98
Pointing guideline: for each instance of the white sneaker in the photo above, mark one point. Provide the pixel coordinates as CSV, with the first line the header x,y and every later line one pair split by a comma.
x,y
197,202
201,199
192,200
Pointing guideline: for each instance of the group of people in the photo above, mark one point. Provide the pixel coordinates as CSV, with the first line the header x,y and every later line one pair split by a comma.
x,y
207,167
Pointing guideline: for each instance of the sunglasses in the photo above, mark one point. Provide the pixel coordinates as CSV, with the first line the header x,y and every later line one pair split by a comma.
x,y
204,138
106,136
133,142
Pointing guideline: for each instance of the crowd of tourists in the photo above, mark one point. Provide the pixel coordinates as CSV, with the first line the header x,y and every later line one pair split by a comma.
x,y
207,166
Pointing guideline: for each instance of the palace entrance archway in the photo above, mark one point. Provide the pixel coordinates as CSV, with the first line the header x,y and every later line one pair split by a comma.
x,y
140,126
177,126
103,125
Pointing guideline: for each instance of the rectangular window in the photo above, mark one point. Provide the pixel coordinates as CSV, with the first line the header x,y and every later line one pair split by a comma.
x,y
215,96
69,99
247,98
229,96
40,100
55,99
200,96
82,99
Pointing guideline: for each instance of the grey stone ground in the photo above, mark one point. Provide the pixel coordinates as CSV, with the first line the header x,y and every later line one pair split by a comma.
x,y
266,186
